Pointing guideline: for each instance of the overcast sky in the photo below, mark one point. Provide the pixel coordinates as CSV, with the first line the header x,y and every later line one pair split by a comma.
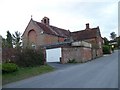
x,y
68,14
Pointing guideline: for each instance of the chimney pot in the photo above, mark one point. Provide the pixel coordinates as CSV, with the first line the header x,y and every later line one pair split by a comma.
x,y
87,26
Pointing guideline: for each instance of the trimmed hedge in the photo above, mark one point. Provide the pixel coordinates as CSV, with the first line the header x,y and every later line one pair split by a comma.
x,y
29,58
9,67
106,49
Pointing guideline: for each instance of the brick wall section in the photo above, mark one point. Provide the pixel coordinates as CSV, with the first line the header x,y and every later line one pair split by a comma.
x,y
97,51
60,39
80,54
86,54
50,39
100,51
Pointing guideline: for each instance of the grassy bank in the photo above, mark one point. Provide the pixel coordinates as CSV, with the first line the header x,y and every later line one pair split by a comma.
x,y
23,73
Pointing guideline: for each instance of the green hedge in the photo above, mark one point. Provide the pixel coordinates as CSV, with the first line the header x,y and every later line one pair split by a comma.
x,y
106,49
9,67
29,58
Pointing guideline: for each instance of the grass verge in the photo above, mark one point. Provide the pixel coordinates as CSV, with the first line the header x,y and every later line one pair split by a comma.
x,y
24,73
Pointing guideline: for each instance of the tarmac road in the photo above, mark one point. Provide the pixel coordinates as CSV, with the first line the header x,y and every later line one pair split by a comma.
x,y
99,73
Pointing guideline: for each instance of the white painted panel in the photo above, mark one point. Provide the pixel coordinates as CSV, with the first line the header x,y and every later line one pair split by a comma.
x,y
53,55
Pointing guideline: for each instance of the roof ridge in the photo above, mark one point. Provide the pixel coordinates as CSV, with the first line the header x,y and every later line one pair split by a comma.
x,y
85,30
58,28
95,27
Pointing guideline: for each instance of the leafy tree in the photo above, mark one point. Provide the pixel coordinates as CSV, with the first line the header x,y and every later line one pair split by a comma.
x,y
9,40
16,39
106,41
3,42
112,35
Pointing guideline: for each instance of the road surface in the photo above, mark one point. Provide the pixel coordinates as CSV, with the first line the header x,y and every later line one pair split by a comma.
x,y
99,73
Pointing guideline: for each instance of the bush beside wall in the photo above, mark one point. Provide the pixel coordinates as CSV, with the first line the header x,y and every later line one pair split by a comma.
x,y
29,58
23,57
9,67
106,49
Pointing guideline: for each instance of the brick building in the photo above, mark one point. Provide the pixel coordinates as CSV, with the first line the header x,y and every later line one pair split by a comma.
x,y
90,35
42,33
80,51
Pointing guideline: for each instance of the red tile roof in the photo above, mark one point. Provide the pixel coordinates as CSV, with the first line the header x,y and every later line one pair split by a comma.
x,y
53,30
60,31
78,35
86,34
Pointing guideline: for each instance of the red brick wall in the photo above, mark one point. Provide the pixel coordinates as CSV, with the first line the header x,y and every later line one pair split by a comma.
x,y
80,54
99,52
61,39
97,46
86,54
50,39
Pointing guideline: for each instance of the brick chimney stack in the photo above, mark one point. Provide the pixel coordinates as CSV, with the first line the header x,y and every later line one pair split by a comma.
x,y
87,26
45,20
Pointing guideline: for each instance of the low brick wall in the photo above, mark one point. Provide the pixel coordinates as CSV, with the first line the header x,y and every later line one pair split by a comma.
x,y
79,54
99,52
86,54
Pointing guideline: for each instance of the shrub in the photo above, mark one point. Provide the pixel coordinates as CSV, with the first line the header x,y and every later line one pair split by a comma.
x,y
106,49
29,58
9,67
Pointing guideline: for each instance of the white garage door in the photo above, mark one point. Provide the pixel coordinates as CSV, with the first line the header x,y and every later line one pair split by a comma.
x,y
53,55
